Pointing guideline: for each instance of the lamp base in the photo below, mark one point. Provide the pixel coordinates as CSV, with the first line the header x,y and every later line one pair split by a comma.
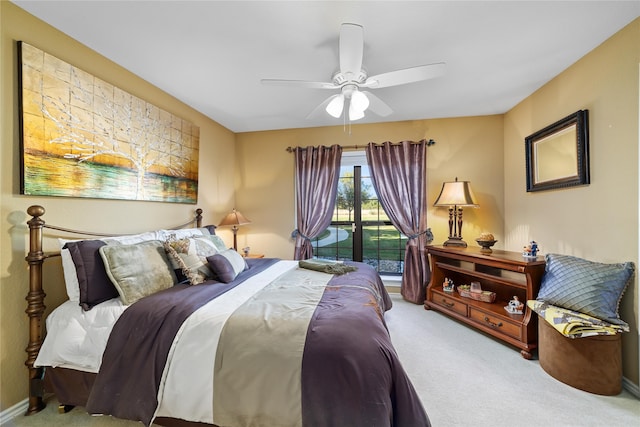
x,y
235,237
455,241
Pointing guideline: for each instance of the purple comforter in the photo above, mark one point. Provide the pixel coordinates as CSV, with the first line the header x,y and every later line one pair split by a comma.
x,y
351,375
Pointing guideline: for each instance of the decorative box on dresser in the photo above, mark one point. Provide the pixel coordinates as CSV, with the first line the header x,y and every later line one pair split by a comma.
x,y
508,274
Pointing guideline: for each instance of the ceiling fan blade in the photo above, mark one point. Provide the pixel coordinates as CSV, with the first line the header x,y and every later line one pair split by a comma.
x,y
299,83
377,106
404,76
351,48
322,108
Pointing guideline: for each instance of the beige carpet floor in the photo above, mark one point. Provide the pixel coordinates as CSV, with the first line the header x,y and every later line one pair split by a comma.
x,y
463,377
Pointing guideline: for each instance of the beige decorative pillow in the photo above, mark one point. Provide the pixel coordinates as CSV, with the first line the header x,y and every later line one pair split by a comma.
x,y
188,257
138,270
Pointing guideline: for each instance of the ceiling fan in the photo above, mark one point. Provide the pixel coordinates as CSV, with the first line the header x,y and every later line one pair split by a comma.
x,y
352,78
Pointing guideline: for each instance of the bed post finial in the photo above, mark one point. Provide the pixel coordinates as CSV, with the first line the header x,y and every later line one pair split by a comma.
x,y
35,210
35,308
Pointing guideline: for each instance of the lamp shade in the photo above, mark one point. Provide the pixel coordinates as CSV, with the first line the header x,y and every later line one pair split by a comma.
x,y
335,106
359,101
234,218
355,114
457,193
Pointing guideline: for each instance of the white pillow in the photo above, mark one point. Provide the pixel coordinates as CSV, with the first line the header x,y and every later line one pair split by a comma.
x,y
69,272
182,233
133,239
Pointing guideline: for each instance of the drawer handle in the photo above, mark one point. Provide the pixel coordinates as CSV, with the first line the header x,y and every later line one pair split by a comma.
x,y
493,325
448,304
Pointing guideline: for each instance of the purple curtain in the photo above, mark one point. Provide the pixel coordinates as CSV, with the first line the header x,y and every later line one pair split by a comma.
x,y
398,172
317,172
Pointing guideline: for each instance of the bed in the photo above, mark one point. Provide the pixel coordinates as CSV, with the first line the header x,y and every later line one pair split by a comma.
x,y
172,328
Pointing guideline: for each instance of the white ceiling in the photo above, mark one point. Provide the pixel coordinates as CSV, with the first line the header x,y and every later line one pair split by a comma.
x,y
212,54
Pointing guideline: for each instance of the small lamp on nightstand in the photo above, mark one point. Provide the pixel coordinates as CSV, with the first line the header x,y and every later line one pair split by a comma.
x,y
234,219
454,195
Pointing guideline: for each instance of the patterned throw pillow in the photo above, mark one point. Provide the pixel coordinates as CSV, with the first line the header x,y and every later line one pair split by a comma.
x,y
189,257
585,286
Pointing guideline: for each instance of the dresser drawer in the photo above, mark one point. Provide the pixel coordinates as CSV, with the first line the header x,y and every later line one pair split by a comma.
x,y
495,323
450,303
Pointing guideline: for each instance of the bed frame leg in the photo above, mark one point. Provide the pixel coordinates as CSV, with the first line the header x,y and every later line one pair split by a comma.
x,y
36,392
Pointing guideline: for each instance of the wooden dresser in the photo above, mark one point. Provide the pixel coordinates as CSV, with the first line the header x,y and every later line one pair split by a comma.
x,y
508,274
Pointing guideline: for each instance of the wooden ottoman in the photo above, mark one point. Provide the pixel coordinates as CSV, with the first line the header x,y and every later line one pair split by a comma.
x,y
592,364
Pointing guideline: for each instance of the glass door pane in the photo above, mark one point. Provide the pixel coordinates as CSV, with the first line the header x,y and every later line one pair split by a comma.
x,y
360,229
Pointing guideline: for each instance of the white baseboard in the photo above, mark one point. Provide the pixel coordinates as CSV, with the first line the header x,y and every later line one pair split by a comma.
x,y
631,387
392,283
9,414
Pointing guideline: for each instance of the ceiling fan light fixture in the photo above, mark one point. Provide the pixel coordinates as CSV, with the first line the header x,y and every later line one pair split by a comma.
x,y
351,77
355,114
359,101
335,107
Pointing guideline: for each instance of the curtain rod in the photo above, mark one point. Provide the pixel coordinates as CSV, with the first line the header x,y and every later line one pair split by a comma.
x,y
429,142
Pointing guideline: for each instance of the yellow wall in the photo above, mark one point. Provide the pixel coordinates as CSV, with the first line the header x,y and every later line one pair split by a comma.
x,y
256,175
215,196
469,148
599,221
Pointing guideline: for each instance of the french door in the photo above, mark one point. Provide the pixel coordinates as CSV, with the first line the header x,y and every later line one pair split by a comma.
x,y
360,229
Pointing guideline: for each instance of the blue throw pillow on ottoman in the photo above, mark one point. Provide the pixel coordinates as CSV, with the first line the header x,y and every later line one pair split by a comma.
x,y
588,287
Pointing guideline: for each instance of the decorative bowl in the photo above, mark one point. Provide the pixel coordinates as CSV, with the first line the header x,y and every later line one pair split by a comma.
x,y
486,245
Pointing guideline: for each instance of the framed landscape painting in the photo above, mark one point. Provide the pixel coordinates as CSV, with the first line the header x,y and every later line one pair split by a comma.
x,y
84,137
